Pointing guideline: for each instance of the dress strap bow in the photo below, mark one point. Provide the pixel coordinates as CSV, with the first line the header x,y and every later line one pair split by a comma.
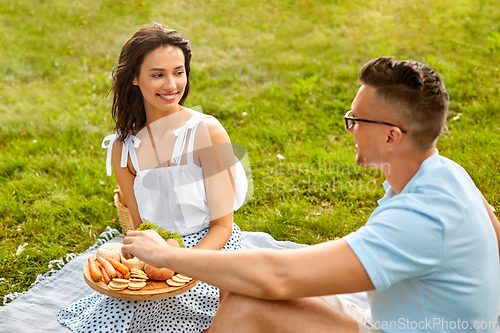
x,y
109,146
180,143
129,145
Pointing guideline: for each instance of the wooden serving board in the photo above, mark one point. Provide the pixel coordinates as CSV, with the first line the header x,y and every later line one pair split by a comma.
x,y
152,291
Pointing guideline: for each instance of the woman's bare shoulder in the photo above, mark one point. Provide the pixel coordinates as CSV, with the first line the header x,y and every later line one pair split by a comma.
x,y
215,129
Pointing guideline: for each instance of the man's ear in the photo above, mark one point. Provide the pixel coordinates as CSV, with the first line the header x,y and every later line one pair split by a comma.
x,y
394,137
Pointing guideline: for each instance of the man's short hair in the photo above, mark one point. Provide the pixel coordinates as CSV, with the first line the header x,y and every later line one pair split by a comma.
x,y
416,92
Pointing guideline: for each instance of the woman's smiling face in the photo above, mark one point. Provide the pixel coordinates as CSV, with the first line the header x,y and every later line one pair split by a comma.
x,y
162,81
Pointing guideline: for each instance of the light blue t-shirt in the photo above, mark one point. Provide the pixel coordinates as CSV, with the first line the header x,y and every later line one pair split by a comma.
x,y
432,254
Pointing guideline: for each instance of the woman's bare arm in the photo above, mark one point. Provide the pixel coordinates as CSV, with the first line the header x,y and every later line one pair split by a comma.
x,y
215,155
125,179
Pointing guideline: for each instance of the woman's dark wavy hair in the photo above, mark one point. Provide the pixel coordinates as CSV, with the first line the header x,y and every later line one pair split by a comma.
x,y
127,109
416,90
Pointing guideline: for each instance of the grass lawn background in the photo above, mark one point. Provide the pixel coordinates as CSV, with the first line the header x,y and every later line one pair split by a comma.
x,y
279,75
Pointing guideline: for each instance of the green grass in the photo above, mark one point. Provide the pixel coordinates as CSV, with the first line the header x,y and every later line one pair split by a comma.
x,y
291,66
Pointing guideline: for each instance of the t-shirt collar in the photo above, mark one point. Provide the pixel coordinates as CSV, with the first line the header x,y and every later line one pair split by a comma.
x,y
428,164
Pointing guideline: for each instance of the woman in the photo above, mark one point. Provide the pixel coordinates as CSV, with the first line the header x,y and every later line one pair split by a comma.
x,y
176,168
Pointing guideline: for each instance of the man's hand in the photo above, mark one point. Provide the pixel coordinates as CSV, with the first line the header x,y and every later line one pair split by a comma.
x,y
146,245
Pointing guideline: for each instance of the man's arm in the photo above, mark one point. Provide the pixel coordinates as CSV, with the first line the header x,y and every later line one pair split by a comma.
x,y
494,220
323,269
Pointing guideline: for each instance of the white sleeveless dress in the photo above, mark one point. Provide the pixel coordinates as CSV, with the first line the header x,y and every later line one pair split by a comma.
x,y
174,198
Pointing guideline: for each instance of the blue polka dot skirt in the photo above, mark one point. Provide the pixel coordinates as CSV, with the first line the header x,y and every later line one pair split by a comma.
x,y
191,311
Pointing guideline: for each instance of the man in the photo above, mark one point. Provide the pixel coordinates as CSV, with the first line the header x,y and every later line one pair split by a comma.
x,y
428,255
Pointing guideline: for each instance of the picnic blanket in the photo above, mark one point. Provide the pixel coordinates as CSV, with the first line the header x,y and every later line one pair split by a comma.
x,y
36,310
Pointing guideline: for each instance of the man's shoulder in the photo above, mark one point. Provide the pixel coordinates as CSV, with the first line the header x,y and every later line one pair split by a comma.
x,y
441,196
446,180
449,164
439,181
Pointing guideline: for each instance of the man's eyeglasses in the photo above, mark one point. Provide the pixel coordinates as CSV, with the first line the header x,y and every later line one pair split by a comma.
x,y
350,121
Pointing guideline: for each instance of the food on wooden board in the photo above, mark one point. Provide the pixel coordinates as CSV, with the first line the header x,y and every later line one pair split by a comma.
x,y
176,278
138,275
184,277
105,276
158,274
120,267
120,273
110,270
133,263
109,250
95,272
118,285
172,283
136,285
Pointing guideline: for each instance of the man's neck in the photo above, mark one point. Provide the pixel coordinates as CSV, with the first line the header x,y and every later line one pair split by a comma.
x,y
403,167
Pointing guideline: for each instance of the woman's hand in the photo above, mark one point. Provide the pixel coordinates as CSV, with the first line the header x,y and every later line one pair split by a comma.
x,y
148,246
